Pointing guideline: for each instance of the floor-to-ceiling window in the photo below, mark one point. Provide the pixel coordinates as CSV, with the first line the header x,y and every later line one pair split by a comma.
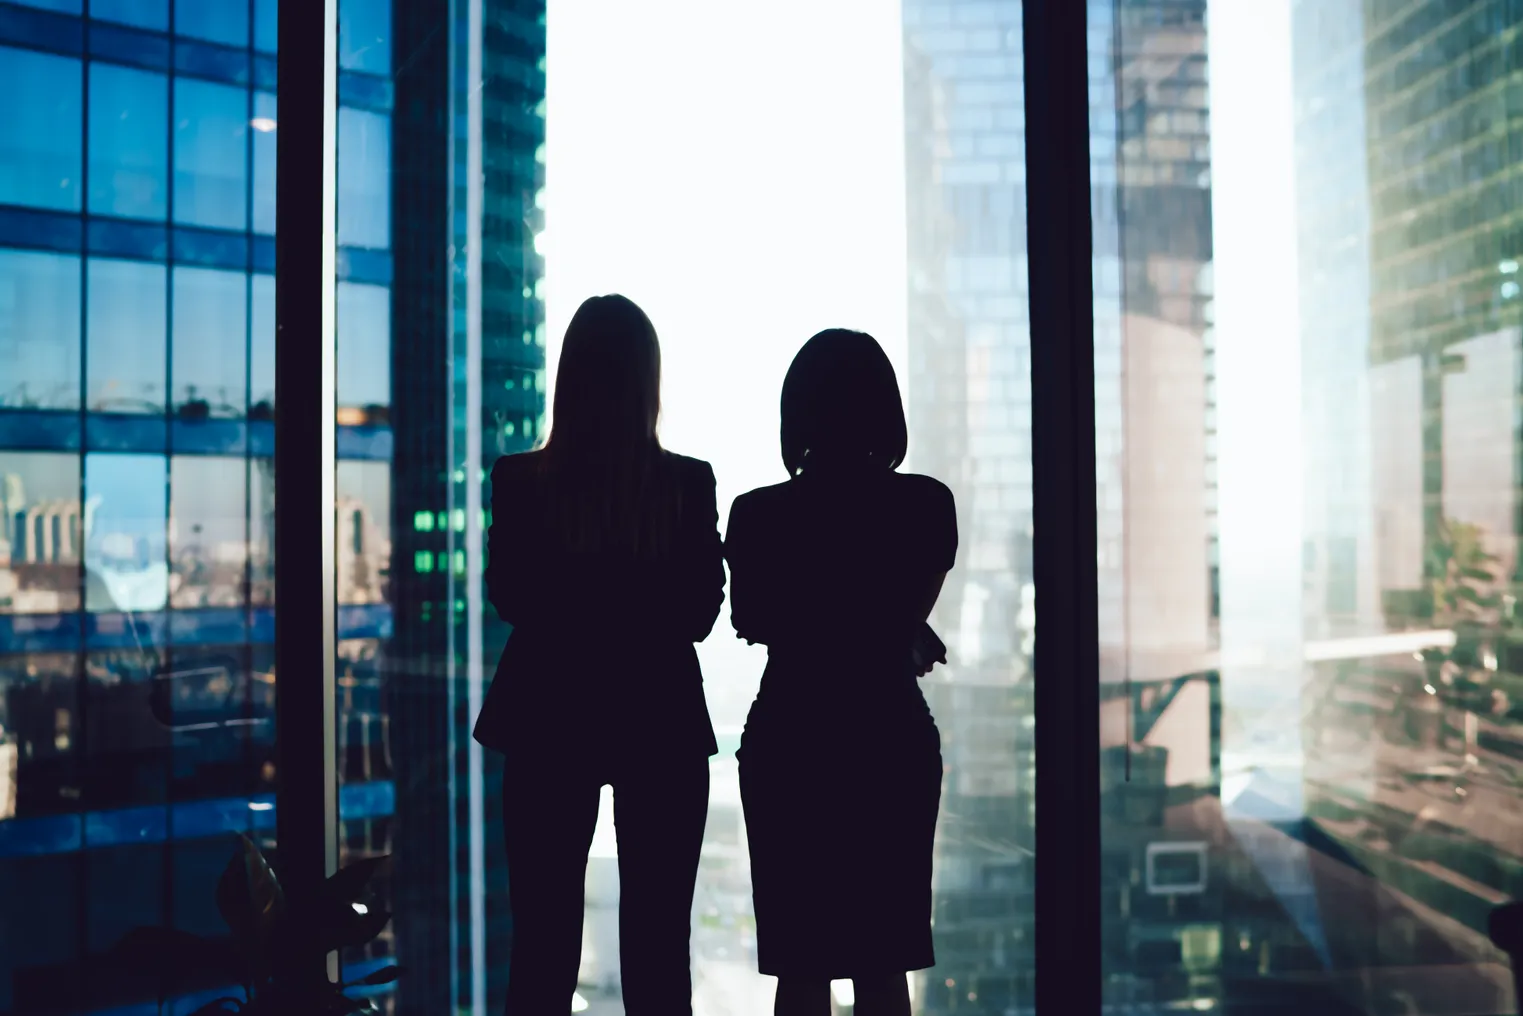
x,y
1307,388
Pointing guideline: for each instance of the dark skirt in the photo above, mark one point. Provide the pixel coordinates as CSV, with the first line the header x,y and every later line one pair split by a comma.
x,y
840,806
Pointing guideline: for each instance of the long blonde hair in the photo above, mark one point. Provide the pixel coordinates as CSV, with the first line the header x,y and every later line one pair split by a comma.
x,y
609,483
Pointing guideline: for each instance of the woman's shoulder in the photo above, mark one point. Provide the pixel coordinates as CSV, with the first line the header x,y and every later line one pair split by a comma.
x,y
923,491
919,483
687,467
518,464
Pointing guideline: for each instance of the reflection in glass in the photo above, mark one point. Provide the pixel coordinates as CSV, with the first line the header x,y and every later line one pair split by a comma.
x,y
207,531
210,315
39,736
261,532
153,14
265,140
62,6
364,178
364,36
40,533
1309,382
126,516
128,336
40,148
210,153
267,25
363,537
364,350
262,348
128,142
129,746
213,20
39,330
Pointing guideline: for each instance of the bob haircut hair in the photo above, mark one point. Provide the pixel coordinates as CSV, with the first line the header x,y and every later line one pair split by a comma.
x,y
841,405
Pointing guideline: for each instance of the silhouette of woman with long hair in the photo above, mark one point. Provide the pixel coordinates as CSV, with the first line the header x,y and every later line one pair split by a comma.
x,y
604,556
835,570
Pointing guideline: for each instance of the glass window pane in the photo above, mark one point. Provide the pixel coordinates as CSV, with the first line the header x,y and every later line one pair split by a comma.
x,y
208,371
262,348
129,142
213,20
261,532
39,330
364,532
364,36
207,531
62,6
211,138
265,141
364,350
128,333
1310,382
364,178
40,534
152,14
267,25
41,146
126,519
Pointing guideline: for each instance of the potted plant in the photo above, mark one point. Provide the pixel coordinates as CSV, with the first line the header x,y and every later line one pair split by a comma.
x,y
277,942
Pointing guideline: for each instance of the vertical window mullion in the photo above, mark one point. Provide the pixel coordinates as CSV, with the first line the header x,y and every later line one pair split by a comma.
x,y
1067,708
306,116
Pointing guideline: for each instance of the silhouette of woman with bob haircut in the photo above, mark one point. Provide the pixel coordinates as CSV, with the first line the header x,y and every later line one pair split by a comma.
x,y
835,570
604,556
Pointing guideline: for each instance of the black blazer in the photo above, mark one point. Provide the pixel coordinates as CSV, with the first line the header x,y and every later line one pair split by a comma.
x,y
601,660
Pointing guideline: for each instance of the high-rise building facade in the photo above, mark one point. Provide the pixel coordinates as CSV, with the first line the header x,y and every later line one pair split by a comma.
x,y
137,218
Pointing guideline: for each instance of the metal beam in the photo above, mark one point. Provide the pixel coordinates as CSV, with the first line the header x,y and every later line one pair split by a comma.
x,y
305,254
1067,672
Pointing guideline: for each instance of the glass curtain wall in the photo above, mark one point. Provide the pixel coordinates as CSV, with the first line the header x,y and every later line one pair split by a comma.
x,y
1307,389
136,332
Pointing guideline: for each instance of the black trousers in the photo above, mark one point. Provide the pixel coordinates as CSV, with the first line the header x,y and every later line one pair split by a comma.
x,y
548,821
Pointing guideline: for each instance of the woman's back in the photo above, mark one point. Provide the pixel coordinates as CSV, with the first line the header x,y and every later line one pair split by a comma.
x,y
836,565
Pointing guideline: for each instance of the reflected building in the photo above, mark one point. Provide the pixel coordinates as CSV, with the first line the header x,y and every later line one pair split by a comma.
x,y
1411,317
137,216
969,413
969,404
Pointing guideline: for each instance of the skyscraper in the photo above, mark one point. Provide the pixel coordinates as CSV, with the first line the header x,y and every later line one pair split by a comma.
x,y
137,216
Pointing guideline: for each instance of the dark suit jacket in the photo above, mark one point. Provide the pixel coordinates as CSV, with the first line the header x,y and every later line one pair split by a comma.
x,y
601,663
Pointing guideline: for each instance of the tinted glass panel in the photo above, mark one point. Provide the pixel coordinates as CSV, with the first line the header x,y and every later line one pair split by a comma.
x,y
129,142
210,150
39,330
209,370
264,162
364,346
364,178
262,347
62,6
213,20
142,13
267,25
207,537
41,530
126,565
364,36
128,336
40,149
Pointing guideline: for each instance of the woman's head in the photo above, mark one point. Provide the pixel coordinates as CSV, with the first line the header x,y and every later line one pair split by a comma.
x,y
608,381
841,405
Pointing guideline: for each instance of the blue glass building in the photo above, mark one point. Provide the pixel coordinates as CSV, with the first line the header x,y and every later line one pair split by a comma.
x,y
137,213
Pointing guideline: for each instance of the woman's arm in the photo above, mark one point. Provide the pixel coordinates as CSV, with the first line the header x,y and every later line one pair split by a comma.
x,y
700,576
751,593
